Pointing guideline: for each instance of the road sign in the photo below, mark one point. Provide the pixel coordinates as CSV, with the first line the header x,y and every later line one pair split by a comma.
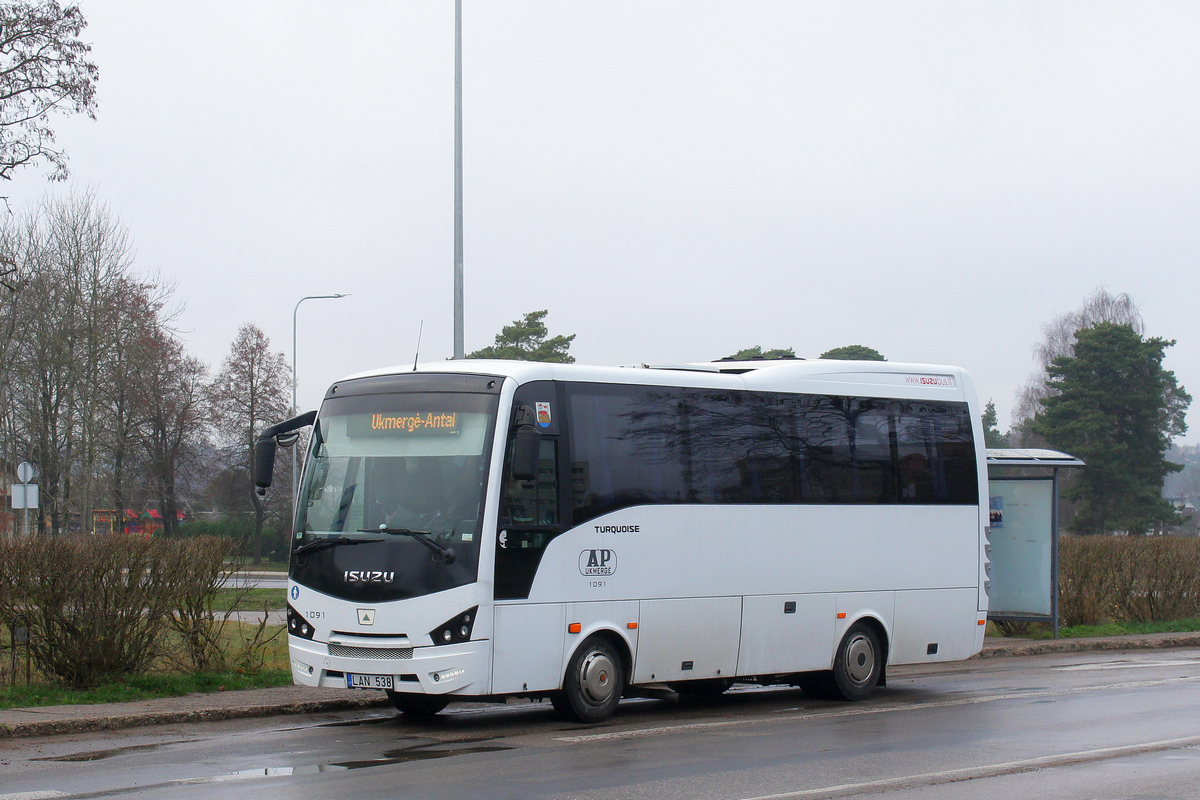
x,y
26,471
24,495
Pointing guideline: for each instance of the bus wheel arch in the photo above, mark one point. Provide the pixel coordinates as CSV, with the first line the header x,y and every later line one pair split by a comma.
x,y
596,677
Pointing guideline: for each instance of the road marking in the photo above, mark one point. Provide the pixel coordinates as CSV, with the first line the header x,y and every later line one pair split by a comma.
x,y
987,771
1125,665
43,794
878,709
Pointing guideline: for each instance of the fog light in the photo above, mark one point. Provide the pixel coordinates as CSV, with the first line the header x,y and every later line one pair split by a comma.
x,y
446,674
300,666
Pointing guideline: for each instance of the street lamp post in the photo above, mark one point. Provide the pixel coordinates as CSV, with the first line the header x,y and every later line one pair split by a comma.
x,y
459,349
295,459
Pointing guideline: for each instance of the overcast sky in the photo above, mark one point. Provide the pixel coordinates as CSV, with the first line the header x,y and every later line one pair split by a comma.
x,y
674,181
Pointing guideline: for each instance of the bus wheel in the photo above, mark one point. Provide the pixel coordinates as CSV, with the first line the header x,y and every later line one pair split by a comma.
x,y
418,706
594,682
858,664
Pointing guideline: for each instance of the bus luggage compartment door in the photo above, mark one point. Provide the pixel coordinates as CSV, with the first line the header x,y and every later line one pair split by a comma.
x,y
528,645
687,639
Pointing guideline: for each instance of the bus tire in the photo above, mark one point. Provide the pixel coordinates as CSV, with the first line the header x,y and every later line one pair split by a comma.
x,y
594,682
418,706
858,663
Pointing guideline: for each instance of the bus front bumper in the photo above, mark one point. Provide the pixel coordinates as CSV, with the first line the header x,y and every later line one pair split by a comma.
x,y
455,668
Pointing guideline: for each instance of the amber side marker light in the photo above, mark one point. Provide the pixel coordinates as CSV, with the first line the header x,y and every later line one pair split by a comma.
x,y
841,615
574,627
982,622
631,626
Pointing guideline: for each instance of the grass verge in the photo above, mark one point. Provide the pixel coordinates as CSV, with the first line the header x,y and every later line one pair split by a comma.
x,y
251,599
165,680
140,687
1040,630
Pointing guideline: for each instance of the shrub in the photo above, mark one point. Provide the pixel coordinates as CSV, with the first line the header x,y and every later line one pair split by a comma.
x,y
95,605
103,607
213,641
1127,579
240,527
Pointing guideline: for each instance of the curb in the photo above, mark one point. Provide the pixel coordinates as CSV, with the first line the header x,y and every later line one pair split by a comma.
x,y
1037,647
67,725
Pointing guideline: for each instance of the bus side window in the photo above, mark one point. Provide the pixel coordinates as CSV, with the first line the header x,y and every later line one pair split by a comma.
x,y
534,503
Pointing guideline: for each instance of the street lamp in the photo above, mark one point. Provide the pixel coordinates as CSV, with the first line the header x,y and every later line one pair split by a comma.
x,y
295,477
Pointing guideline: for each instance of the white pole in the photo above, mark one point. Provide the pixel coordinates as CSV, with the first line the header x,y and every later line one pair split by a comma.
x,y
459,350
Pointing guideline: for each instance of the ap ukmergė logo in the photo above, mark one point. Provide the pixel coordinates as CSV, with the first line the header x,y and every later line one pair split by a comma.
x,y
597,562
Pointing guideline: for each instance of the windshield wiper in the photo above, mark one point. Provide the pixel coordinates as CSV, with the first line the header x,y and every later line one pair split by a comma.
x,y
424,537
324,544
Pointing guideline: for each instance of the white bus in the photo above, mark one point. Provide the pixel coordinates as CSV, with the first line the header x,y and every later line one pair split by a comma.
x,y
487,529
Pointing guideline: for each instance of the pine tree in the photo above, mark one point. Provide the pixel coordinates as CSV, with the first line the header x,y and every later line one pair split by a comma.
x,y
527,340
1114,406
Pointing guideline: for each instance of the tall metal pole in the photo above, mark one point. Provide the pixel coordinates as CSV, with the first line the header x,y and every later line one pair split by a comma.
x,y
459,350
295,457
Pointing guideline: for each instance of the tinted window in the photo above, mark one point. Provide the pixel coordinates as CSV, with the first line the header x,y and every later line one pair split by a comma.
x,y
633,445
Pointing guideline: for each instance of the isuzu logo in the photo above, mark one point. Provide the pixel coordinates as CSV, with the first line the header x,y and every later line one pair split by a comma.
x,y
597,562
368,576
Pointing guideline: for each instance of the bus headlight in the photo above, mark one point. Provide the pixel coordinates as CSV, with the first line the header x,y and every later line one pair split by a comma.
x,y
298,625
455,630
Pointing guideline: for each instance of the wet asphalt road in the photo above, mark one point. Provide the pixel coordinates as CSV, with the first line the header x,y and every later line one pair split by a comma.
x,y
1077,725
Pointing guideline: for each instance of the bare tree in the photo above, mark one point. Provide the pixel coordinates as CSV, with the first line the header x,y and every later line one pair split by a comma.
x,y
44,70
1059,340
250,392
72,352
171,396
135,325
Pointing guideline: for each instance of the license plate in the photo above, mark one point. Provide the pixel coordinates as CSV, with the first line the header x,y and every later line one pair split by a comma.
x,y
356,680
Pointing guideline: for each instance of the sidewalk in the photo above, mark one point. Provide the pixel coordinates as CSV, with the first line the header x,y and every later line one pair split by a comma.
x,y
993,647
56,720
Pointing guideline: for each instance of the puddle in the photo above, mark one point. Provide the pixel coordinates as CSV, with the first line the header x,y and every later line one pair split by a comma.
x,y
389,757
419,754
97,755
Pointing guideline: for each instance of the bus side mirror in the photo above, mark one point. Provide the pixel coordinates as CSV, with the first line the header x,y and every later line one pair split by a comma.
x,y
527,445
283,434
264,463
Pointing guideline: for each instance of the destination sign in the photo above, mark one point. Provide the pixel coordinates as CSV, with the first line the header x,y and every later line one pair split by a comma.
x,y
402,423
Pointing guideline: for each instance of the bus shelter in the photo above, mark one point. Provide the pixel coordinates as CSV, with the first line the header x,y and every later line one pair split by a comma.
x,y
1023,534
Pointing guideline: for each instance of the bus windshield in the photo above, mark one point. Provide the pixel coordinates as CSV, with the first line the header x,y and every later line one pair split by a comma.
x,y
390,470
